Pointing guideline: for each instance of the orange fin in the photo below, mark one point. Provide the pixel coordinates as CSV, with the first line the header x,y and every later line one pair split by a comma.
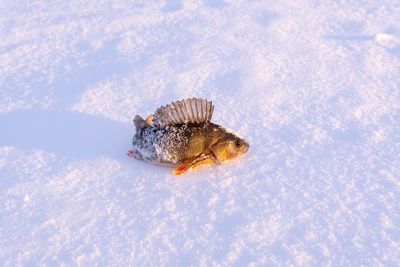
x,y
181,169
149,120
201,160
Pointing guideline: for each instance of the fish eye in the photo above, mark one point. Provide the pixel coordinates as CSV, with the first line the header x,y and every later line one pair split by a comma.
x,y
238,143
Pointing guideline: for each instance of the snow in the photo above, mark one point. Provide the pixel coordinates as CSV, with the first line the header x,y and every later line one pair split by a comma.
x,y
313,86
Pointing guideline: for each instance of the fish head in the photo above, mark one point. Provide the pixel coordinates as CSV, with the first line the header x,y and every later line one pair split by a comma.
x,y
229,147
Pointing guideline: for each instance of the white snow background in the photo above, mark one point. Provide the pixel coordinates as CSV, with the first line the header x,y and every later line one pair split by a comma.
x,y
314,86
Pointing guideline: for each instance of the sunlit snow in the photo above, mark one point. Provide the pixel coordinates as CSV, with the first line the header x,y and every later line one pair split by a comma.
x,y
314,86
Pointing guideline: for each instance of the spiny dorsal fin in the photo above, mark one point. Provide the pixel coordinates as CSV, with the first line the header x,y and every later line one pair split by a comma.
x,y
194,110
140,123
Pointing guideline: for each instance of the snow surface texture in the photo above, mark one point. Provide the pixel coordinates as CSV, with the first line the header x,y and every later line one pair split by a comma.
x,y
314,86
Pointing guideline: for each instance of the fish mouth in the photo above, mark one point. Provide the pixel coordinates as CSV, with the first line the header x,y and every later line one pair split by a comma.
x,y
246,147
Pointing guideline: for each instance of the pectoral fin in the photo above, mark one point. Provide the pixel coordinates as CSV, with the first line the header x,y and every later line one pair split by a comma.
x,y
201,160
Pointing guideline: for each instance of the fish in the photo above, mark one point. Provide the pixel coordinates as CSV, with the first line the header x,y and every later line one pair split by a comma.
x,y
182,135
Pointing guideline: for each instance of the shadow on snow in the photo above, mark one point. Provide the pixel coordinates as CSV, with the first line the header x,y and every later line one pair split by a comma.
x,y
65,133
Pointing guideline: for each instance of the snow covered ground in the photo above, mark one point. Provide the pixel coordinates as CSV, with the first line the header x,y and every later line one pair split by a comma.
x,y
314,86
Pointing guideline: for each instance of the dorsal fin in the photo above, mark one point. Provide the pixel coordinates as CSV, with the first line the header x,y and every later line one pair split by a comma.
x,y
140,123
194,110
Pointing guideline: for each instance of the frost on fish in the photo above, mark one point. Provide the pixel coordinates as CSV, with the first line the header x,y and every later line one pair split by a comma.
x,y
181,134
162,145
